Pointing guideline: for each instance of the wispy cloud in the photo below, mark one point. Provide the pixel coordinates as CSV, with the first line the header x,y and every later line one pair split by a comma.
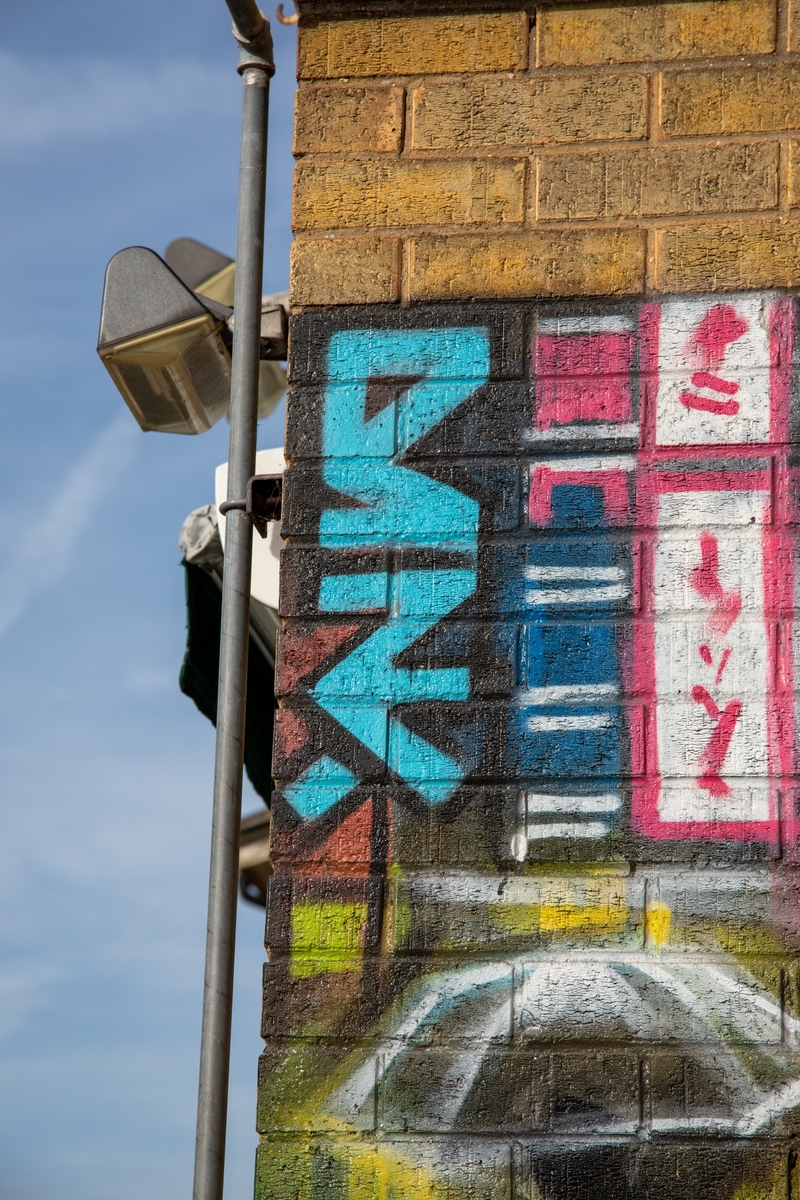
x,y
93,97
40,553
23,990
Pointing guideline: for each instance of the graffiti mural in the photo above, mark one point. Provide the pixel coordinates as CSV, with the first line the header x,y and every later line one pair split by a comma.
x,y
533,930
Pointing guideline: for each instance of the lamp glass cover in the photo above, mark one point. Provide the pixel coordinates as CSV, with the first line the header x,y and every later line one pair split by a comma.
x,y
174,380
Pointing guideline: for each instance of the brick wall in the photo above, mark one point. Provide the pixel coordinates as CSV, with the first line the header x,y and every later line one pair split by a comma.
x,y
533,930
579,151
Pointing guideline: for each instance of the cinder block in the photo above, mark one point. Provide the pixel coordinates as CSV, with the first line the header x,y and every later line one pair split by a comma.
x,y
474,429
701,904
368,195
447,913
324,918
341,1168
314,357
581,36
348,117
510,591
750,99
352,838
595,1092
475,1088
304,649
339,1009
375,524
335,270
565,263
285,1168
656,182
292,733
714,1168
740,254
304,734
661,998
513,112
469,1089
412,45
587,1167
480,832
297,1090
683,1091
456,911
457,1167
471,431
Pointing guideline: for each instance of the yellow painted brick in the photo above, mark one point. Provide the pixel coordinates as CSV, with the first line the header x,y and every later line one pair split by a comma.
x,y
412,45
344,270
338,117
371,194
513,112
794,25
740,254
618,33
794,174
602,262
653,182
732,100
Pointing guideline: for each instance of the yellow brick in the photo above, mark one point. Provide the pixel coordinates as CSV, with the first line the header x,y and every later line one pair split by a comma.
x,y
618,33
372,194
564,263
794,174
512,112
739,254
658,181
794,25
366,117
345,270
734,100
412,45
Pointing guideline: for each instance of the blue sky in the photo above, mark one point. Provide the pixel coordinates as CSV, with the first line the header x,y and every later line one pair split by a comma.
x,y
119,126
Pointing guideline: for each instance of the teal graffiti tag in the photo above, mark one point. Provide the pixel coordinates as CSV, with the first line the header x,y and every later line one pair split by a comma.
x,y
361,691
398,508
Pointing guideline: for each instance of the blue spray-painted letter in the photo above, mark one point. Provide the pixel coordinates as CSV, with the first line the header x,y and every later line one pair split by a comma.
x,y
399,508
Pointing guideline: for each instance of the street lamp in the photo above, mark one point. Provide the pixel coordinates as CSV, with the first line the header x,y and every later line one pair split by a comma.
x,y
165,348
202,269
168,347
183,392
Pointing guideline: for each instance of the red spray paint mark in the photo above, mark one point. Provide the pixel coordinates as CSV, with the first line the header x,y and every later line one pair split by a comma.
x,y
719,327
706,582
705,654
300,652
291,732
713,757
348,849
727,606
720,408
704,379
723,664
583,377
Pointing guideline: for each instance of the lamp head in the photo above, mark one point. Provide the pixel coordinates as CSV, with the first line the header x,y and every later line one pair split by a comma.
x,y
166,331
165,347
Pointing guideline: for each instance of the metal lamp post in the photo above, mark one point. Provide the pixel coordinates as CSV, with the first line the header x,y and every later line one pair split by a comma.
x,y
256,66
